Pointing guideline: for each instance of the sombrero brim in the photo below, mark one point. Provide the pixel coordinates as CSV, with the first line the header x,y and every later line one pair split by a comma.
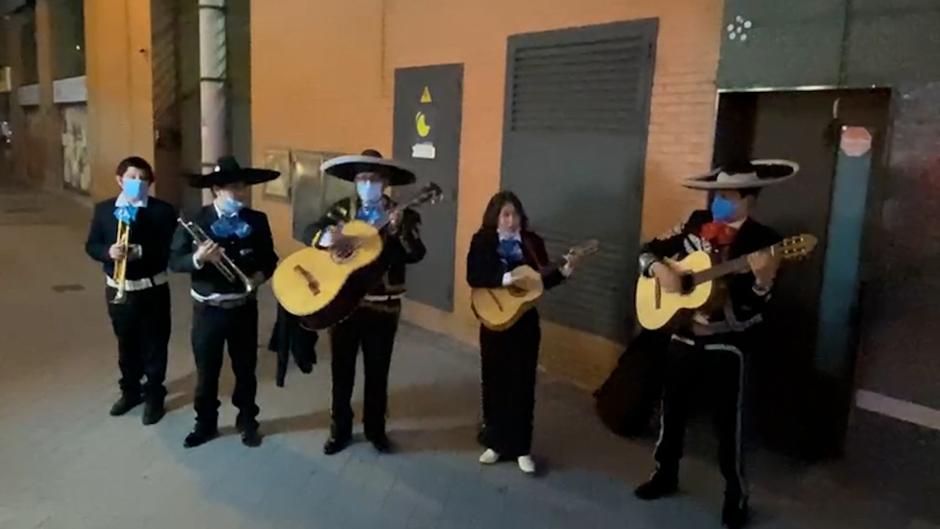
x,y
347,167
767,173
249,175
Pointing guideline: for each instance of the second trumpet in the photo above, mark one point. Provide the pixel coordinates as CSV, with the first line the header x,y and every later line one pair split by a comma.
x,y
225,266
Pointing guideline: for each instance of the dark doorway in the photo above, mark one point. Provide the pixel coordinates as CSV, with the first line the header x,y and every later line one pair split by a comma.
x,y
800,406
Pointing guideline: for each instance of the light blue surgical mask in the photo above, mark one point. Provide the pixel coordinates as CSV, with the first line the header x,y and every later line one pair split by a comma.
x,y
228,206
135,189
723,210
369,191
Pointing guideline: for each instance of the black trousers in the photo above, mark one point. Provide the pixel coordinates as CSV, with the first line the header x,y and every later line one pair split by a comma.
x,y
213,328
373,330
142,327
718,361
509,361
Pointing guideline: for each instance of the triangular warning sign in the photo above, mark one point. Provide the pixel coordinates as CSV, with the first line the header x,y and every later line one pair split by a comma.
x,y
426,95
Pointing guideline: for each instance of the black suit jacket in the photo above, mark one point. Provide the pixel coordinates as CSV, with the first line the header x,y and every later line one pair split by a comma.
x,y
254,253
401,250
485,269
746,303
152,230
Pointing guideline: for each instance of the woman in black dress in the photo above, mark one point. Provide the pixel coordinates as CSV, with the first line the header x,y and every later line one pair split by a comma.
x,y
509,358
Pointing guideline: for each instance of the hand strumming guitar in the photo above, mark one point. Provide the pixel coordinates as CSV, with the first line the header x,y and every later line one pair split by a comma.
x,y
764,266
669,279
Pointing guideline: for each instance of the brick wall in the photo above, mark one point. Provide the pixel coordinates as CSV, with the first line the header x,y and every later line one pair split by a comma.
x,y
319,84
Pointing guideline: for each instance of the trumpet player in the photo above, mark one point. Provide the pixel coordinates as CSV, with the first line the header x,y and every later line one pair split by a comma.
x,y
135,267
228,250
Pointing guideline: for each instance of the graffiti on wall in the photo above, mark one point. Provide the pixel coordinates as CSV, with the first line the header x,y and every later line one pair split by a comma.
x,y
76,172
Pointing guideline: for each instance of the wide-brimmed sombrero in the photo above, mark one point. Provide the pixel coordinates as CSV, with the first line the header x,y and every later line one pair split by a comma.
x,y
747,175
370,161
228,171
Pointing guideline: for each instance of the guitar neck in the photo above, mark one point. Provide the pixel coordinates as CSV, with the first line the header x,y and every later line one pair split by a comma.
x,y
733,266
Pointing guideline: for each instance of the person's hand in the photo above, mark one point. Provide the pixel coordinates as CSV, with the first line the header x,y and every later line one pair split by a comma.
x,y
208,252
669,279
343,247
116,252
394,222
764,266
519,279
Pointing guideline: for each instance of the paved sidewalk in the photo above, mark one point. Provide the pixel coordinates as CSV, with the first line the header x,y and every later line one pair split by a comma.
x,y
64,463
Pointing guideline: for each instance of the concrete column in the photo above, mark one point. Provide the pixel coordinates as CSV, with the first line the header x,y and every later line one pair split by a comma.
x,y
51,125
212,86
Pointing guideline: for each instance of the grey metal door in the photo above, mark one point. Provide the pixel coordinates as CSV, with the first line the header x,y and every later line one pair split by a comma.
x,y
574,145
428,103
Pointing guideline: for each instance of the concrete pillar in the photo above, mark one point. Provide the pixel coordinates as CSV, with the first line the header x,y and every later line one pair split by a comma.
x,y
50,118
212,86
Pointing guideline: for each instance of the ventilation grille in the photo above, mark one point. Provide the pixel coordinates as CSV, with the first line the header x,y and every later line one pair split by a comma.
x,y
583,86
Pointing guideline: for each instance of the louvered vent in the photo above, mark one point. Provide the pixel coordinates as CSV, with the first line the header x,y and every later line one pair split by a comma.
x,y
582,86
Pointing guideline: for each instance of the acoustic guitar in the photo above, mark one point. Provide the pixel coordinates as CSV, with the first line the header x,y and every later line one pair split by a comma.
x,y
324,288
500,308
655,308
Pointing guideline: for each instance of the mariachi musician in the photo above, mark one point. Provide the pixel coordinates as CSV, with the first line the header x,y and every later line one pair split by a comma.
x,y
228,251
716,339
372,326
131,234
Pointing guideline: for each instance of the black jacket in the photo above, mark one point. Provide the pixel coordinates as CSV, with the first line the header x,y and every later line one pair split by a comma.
x,y
254,253
746,304
152,230
485,269
401,250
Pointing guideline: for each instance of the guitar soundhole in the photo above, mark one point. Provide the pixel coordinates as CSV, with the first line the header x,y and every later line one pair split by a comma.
x,y
516,292
341,260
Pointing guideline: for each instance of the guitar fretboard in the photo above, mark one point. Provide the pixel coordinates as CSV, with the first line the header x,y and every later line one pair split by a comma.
x,y
733,266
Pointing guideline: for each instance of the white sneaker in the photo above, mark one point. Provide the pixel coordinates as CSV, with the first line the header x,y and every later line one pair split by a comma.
x,y
526,464
489,457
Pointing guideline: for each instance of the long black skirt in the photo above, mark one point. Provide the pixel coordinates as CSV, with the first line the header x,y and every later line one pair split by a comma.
x,y
509,360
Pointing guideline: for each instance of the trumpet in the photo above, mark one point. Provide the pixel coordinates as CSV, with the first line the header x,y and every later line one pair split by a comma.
x,y
120,266
225,266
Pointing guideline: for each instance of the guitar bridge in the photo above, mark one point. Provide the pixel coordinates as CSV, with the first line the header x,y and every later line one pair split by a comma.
x,y
312,284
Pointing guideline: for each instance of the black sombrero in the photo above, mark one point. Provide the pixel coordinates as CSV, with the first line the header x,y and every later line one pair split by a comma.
x,y
228,171
370,161
747,175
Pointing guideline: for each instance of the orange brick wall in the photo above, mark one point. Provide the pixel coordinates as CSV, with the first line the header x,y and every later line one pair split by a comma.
x,y
323,74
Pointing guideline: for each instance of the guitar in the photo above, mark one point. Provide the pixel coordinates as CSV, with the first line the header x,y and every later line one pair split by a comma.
x,y
322,287
655,308
500,308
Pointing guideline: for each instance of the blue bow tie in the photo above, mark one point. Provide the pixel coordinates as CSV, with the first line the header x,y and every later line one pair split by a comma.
x,y
126,214
233,226
510,251
373,214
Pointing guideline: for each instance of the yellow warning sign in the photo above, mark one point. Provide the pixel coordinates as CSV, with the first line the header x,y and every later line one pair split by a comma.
x,y
421,125
426,95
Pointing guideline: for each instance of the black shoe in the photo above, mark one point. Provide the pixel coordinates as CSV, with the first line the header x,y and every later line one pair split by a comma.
x,y
381,442
153,412
661,484
336,444
251,437
200,436
734,513
126,403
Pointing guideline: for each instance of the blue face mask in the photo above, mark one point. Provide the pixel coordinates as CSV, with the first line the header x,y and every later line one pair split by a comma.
x,y
134,189
723,210
229,206
369,191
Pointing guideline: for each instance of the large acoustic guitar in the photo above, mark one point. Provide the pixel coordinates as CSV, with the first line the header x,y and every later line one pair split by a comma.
x,y
500,308
655,308
322,287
